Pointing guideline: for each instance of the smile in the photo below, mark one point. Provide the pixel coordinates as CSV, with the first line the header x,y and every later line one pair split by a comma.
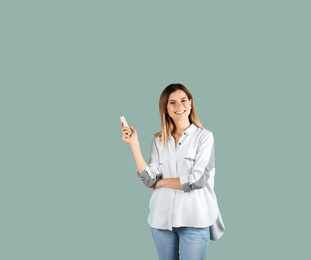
x,y
180,112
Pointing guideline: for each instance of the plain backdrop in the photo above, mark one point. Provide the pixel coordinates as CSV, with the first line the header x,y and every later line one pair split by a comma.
x,y
69,69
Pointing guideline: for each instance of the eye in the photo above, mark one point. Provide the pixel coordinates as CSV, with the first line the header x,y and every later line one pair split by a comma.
x,y
172,102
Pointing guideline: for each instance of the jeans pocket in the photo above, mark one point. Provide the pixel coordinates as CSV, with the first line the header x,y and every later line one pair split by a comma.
x,y
204,232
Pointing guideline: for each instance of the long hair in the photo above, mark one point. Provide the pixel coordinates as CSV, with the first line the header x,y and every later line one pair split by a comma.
x,y
167,124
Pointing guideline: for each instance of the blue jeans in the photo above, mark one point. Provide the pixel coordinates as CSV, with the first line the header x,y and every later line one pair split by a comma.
x,y
184,243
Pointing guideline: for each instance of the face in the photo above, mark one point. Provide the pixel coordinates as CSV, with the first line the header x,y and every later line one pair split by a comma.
x,y
178,106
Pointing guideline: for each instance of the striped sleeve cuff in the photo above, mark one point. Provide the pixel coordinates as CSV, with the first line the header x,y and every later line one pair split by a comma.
x,y
147,180
185,184
199,184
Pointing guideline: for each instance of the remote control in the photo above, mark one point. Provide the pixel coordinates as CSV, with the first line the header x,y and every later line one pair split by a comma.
x,y
123,120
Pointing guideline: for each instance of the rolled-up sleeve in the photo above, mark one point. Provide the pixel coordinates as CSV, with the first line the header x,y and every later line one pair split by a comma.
x,y
152,172
204,164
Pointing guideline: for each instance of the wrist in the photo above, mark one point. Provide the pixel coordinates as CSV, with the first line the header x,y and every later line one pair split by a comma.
x,y
159,183
134,144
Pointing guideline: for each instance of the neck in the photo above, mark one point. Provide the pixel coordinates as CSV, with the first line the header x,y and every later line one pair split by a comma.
x,y
180,127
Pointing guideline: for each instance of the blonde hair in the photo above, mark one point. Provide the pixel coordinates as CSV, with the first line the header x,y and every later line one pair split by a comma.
x,y
167,124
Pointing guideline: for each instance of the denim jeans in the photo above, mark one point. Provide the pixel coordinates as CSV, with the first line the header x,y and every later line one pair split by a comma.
x,y
184,243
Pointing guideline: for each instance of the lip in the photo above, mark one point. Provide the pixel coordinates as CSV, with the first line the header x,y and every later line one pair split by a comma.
x,y
179,112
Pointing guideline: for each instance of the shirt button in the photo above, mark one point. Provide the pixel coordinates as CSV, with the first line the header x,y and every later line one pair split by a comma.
x,y
179,143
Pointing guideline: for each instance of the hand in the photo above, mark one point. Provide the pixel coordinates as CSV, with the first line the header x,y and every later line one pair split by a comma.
x,y
171,183
125,134
158,184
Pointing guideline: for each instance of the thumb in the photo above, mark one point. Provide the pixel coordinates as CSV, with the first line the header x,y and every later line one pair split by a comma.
x,y
132,128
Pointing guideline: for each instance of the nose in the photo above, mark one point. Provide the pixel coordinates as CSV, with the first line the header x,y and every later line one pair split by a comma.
x,y
177,104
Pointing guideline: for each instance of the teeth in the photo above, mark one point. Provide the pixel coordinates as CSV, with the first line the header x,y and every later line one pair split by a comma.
x,y
179,113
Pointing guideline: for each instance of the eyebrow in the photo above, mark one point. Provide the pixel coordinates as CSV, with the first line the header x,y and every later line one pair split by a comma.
x,y
174,99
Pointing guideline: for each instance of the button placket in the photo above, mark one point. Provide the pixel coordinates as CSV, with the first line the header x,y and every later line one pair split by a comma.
x,y
182,138
172,152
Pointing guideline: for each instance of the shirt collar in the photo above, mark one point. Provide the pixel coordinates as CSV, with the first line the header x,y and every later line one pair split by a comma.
x,y
191,129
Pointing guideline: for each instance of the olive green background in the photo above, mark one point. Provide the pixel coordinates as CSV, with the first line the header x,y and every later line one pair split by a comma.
x,y
69,69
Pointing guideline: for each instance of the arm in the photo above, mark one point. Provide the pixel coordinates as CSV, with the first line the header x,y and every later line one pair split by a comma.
x,y
148,173
172,183
203,169
135,147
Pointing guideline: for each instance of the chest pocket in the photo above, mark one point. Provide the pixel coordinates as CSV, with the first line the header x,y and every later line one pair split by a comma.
x,y
188,164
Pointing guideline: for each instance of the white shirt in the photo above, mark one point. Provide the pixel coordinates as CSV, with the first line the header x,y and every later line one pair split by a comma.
x,y
193,161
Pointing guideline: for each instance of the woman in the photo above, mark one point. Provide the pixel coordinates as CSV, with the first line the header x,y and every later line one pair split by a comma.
x,y
184,214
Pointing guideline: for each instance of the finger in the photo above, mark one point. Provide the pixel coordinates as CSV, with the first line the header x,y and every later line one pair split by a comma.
x,y
125,139
126,134
125,130
131,127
